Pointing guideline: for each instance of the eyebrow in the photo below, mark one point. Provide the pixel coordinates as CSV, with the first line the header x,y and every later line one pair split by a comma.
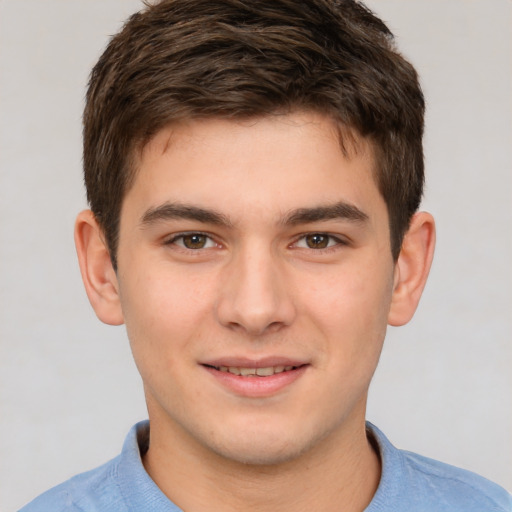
x,y
168,211
340,210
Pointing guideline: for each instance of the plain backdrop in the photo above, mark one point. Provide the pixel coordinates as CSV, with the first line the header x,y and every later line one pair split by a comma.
x,y
69,390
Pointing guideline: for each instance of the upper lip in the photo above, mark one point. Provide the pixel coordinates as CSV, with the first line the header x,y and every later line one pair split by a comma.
x,y
244,362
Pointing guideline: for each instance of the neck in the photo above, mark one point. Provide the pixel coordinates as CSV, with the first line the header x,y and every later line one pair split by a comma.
x,y
342,472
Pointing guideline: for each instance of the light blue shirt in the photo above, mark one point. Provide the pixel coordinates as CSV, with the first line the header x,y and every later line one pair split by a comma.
x,y
409,483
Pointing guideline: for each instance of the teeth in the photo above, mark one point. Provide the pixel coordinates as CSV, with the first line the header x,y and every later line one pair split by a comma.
x,y
251,372
265,372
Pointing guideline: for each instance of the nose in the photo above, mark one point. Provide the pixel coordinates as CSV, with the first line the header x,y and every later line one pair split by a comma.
x,y
256,297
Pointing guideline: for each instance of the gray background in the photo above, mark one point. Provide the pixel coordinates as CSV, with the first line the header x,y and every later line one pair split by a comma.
x,y
68,388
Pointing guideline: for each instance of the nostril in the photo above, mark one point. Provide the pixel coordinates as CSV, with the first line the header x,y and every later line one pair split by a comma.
x,y
274,327
255,329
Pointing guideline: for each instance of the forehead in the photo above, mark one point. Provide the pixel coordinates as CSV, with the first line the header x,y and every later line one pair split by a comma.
x,y
279,162
204,130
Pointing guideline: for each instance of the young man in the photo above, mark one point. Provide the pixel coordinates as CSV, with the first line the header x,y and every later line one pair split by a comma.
x,y
254,171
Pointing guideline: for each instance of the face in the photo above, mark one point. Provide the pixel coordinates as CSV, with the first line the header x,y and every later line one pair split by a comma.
x,y
255,278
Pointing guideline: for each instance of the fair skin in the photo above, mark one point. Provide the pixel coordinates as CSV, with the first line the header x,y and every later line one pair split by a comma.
x,y
257,247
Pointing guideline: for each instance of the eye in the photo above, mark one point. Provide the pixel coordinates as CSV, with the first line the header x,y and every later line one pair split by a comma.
x,y
317,241
193,241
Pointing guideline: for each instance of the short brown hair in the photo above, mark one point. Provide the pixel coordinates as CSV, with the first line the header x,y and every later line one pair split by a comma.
x,y
193,59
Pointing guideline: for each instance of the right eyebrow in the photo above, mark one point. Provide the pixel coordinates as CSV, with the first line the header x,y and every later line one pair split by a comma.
x,y
340,210
167,211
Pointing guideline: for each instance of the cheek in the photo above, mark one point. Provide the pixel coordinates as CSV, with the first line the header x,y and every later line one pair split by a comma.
x,y
352,295
162,313
162,324
351,309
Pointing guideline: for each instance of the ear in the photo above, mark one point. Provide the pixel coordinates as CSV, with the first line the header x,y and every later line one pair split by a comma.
x,y
412,268
98,275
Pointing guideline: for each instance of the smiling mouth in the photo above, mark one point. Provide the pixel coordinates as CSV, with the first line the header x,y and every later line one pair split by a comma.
x,y
253,372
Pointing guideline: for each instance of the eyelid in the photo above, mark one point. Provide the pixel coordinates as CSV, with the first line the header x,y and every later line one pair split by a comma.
x,y
338,239
172,239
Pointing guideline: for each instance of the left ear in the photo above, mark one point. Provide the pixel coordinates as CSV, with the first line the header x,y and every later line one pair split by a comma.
x,y
98,275
412,268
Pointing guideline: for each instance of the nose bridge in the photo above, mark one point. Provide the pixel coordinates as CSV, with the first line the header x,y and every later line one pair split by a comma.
x,y
255,296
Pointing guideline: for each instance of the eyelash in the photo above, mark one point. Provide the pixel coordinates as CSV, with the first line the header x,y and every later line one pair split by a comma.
x,y
333,242
181,236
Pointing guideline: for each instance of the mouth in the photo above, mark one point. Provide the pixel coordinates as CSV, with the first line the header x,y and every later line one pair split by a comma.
x,y
256,379
242,371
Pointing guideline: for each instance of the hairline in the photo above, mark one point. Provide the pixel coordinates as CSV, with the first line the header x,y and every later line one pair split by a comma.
x,y
350,140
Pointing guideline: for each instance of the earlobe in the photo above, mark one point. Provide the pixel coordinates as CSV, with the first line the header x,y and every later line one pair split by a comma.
x,y
412,268
98,275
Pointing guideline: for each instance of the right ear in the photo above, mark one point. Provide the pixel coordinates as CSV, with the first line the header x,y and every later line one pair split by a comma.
x,y
98,274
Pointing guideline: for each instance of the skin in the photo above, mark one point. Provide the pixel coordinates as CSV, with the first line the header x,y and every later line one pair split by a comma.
x,y
221,259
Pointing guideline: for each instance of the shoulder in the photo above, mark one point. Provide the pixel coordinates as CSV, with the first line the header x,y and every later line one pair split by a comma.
x,y
120,485
455,488
413,482
89,491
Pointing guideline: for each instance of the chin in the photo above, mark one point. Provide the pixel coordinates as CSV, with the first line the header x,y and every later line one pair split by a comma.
x,y
265,448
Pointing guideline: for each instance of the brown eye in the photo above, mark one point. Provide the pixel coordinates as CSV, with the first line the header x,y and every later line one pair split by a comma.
x,y
317,241
194,241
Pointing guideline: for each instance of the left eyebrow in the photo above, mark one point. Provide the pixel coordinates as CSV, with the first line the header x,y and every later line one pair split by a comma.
x,y
168,211
340,210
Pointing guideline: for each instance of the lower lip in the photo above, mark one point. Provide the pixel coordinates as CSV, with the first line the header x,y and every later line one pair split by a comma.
x,y
257,387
